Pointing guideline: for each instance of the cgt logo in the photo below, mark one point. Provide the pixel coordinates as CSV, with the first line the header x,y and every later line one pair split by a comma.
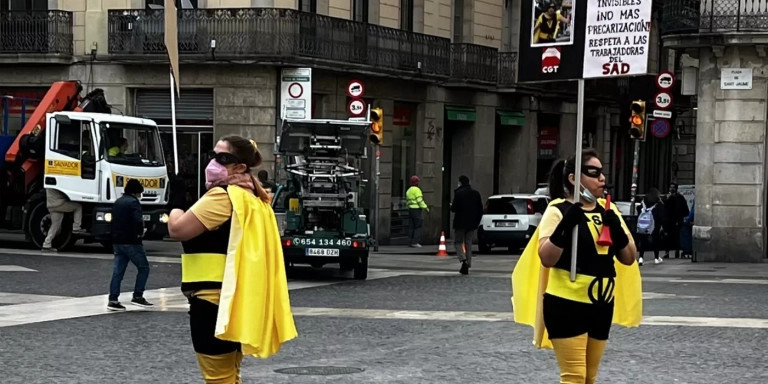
x,y
550,60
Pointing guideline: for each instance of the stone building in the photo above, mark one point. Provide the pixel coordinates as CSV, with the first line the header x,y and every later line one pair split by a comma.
x,y
721,50
442,70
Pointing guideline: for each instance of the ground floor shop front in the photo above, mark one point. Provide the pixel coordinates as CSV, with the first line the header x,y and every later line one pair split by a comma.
x,y
504,142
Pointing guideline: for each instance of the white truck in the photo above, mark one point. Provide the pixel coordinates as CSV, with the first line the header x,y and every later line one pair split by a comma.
x,y
76,146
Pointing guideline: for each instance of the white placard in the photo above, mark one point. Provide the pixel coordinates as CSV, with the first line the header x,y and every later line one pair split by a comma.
x,y
736,78
296,93
617,37
662,114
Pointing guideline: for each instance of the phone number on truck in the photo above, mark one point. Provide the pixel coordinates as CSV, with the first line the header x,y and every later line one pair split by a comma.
x,y
322,242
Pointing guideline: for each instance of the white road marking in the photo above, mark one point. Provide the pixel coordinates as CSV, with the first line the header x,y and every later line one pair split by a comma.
x,y
165,299
15,268
726,322
21,298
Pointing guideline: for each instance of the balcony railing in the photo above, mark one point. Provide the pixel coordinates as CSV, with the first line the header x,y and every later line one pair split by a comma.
x,y
697,16
41,32
278,34
507,69
474,62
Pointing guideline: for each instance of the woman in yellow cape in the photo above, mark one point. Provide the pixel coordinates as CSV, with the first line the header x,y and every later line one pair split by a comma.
x,y
574,318
232,267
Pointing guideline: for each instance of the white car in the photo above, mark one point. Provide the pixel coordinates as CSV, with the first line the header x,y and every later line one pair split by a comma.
x,y
510,221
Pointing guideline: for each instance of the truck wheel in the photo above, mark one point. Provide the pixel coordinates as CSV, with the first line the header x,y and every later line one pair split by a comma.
x,y
361,268
39,223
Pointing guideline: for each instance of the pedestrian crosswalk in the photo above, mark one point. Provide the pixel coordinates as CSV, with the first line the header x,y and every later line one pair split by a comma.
x,y
27,308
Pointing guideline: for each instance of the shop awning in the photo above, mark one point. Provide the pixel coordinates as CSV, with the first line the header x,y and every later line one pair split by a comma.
x,y
511,117
460,113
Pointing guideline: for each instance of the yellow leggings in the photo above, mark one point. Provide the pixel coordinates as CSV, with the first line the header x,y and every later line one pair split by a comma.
x,y
221,369
579,358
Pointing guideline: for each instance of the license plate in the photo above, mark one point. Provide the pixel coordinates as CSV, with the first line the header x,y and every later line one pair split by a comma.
x,y
146,217
322,252
507,224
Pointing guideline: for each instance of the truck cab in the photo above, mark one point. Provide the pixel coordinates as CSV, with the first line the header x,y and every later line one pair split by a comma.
x,y
89,157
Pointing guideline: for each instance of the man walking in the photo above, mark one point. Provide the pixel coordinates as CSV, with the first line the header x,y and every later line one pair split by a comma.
x,y
415,200
468,208
677,211
126,237
58,204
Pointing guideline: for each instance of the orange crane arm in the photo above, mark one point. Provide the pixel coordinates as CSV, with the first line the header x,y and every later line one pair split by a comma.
x,y
62,96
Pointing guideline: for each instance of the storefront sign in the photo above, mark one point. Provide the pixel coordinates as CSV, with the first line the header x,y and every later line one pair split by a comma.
x,y
15,100
401,116
296,93
548,137
617,36
736,78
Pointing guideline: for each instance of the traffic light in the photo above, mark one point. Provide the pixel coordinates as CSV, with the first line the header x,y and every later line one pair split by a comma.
x,y
637,120
377,126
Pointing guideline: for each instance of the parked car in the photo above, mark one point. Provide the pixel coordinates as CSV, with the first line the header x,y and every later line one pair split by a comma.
x,y
510,221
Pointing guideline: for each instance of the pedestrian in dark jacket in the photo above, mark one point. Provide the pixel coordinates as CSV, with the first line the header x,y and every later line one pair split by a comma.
x,y
468,208
127,231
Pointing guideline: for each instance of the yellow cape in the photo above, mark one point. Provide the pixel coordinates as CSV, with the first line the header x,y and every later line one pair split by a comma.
x,y
529,282
254,308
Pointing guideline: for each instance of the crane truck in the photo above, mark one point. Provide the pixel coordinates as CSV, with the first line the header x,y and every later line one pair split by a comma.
x,y
76,145
317,209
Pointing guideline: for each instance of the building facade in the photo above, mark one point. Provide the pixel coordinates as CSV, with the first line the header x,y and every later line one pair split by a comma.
x,y
442,70
720,48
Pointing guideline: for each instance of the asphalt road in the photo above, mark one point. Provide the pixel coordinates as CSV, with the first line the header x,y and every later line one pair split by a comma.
x,y
415,321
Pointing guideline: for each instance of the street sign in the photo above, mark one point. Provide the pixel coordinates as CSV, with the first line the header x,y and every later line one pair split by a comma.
x,y
660,128
665,80
663,100
355,89
296,93
356,107
662,114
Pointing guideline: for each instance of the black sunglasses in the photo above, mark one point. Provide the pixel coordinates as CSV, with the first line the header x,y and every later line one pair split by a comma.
x,y
225,158
592,171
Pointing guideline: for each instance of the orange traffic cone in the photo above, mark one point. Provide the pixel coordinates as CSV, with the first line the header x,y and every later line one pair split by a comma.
x,y
442,251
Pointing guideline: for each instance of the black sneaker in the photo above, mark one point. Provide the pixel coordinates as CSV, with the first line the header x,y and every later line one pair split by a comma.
x,y
464,269
141,302
115,306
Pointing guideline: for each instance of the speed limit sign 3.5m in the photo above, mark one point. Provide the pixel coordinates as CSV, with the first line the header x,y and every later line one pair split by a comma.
x,y
663,100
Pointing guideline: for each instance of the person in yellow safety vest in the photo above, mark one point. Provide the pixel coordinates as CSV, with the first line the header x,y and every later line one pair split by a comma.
x,y
415,201
120,148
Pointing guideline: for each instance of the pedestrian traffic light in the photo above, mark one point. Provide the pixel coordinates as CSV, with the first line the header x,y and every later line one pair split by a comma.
x,y
637,120
377,126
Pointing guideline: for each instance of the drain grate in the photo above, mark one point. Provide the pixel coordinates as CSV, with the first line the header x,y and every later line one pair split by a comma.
x,y
319,371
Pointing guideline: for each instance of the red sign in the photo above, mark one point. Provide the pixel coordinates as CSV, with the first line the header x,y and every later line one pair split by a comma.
x,y
548,137
550,60
355,89
30,99
402,116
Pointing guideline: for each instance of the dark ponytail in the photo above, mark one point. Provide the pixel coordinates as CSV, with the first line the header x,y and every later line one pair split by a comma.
x,y
556,187
559,185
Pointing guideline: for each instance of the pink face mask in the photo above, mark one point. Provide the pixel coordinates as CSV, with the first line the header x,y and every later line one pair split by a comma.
x,y
215,174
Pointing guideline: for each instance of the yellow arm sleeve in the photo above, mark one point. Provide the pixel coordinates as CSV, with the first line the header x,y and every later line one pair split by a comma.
x,y
213,209
549,221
